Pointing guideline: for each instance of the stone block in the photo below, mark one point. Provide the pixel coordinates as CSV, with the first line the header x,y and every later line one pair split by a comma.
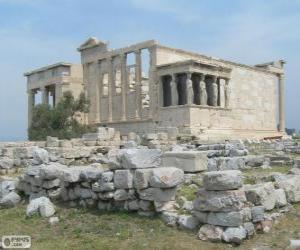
x,y
291,187
140,158
157,194
123,179
10,200
210,233
6,163
52,141
226,219
234,235
220,201
280,198
188,222
141,178
222,180
91,173
169,218
40,156
51,183
188,161
257,213
261,194
120,195
166,177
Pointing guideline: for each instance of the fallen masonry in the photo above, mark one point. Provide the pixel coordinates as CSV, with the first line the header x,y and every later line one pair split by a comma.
x,y
190,185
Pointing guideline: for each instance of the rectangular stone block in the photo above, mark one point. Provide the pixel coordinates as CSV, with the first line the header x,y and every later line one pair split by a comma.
x,y
220,201
157,194
123,179
188,161
226,219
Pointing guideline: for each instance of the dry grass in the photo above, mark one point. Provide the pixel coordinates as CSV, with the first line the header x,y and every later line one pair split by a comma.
x,y
82,229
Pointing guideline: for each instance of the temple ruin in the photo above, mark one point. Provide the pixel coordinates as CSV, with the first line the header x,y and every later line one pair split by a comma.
x,y
148,87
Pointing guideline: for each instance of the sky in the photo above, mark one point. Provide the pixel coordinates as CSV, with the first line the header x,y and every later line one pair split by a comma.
x,y
34,33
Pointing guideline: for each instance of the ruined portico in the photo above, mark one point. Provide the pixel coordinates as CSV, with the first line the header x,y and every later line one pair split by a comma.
x,y
197,94
51,82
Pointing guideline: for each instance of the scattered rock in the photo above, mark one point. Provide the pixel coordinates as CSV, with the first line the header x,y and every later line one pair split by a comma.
x,y
234,235
188,222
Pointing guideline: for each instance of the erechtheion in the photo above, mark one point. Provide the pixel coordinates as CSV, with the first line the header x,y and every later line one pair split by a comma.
x,y
148,87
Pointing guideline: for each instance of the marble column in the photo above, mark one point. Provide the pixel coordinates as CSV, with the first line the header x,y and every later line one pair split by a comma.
x,y
214,93
110,79
281,103
222,92
31,103
227,93
97,91
189,88
203,92
153,84
45,96
138,84
174,91
124,86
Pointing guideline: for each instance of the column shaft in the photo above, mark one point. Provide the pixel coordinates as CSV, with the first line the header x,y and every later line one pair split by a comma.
x,y
227,93
138,84
31,103
110,79
203,91
124,86
222,92
281,103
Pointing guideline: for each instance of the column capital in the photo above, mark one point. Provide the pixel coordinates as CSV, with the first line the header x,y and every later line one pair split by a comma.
x,y
214,78
138,51
202,77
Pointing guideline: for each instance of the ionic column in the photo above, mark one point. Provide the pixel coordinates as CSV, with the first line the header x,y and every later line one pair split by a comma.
x,y
203,92
97,83
214,92
124,86
110,79
281,103
174,91
31,103
153,83
138,84
189,89
227,93
45,99
222,92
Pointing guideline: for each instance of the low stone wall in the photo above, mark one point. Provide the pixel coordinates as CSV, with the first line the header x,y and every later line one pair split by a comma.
x,y
134,182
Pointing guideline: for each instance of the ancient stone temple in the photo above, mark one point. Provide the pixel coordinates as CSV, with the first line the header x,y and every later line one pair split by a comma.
x,y
148,87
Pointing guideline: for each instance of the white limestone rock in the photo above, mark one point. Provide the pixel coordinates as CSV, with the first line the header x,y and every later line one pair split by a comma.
x,y
280,198
157,194
6,186
40,156
120,195
123,179
188,222
10,200
140,158
40,205
53,220
169,218
142,178
166,177
222,180
51,183
211,233
261,194
226,219
6,163
91,173
188,161
234,235
291,186
52,171
219,201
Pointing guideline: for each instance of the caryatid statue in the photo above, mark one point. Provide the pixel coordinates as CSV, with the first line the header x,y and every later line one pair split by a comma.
x,y
214,92
227,94
203,93
174,92
189,89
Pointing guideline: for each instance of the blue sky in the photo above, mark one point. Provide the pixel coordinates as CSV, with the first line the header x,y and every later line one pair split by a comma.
x,y
34,33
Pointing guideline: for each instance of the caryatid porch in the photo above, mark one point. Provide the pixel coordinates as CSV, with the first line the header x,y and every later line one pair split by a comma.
x,y
194,83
